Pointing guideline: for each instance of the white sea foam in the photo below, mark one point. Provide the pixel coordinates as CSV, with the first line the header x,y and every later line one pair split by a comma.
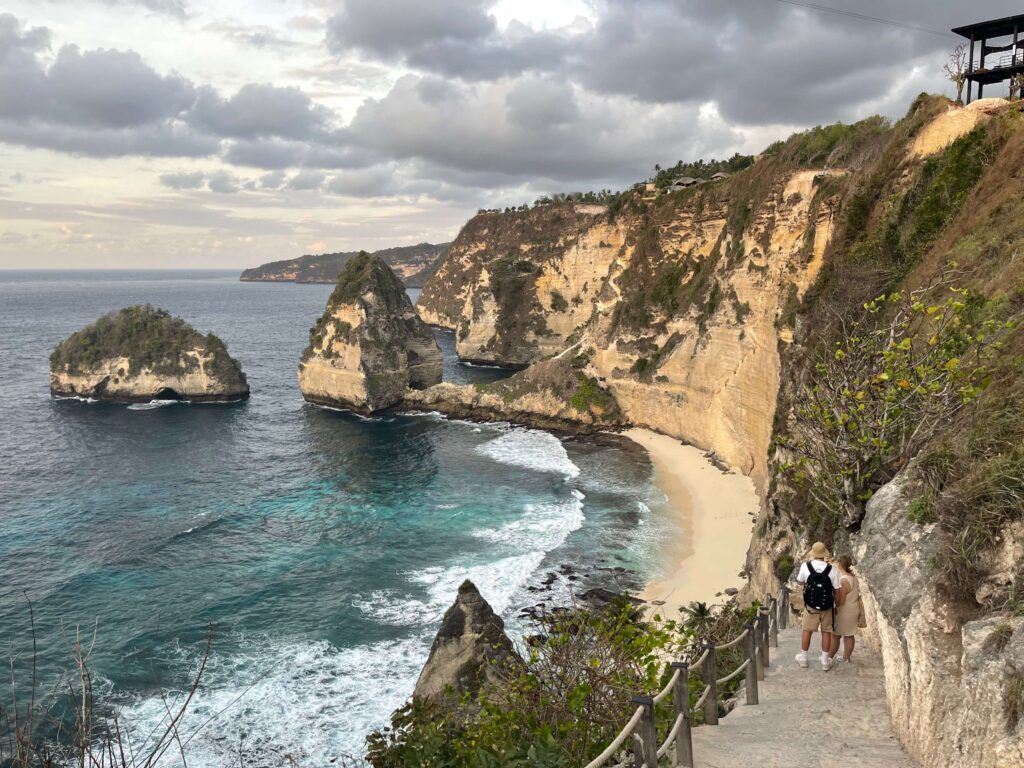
x,y
525,540
531,449
152,404
541,526
308,699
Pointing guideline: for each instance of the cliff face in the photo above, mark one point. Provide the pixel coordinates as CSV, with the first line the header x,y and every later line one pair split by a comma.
x,y
955,688
369,346
675,305
940,544
141,354
702,314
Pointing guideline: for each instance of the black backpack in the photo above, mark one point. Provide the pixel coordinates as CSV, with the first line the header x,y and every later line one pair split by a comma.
x,y
818,591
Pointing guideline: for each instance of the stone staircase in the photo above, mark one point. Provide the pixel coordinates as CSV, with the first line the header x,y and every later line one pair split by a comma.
x,y
807,718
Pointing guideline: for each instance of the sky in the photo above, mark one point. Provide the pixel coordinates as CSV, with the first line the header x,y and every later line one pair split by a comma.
x,y
228,133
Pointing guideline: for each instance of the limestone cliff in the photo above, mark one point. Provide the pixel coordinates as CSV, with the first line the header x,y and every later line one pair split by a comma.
x,y
676,306
940,542
702,313
139,354
470,648
369,346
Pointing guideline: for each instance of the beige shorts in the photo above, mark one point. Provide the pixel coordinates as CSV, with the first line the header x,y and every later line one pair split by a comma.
x,y
814,620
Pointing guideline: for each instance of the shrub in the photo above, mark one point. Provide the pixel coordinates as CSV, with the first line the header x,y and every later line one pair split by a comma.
x,y
784,565
894,381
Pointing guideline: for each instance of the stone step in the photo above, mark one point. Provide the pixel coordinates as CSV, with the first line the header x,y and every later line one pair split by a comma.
x,y
807,718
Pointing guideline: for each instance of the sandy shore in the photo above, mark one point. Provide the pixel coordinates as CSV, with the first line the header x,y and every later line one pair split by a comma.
x,y
712,512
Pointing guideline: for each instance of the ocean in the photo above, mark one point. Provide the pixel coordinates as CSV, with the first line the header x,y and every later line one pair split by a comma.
x,y
319,548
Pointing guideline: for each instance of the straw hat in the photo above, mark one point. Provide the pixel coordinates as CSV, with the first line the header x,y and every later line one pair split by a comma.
x,y
819,551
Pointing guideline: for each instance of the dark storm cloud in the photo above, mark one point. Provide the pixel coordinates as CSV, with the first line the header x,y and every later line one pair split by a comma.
x,y
760,62
449,37
259,110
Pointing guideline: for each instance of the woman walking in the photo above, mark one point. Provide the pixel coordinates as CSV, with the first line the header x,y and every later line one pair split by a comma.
x,y
849,610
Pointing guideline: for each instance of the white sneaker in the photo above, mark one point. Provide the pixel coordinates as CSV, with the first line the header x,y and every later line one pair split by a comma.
x,y
826,664
801,659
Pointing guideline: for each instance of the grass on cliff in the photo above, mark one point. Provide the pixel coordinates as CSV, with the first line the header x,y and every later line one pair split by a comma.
x,y
151,339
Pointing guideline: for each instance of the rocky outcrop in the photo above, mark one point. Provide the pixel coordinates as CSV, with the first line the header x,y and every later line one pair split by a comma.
x,y
412,263
469,648
548,395
955,688
369,346
140,354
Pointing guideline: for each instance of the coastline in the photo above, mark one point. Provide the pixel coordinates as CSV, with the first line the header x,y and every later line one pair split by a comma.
x,y
711,509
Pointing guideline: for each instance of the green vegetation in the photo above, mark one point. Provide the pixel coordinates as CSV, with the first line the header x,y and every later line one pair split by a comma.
x,y
893,382
558,302
591,397
151,339
784,565
829,145
920,511
571,697
701,169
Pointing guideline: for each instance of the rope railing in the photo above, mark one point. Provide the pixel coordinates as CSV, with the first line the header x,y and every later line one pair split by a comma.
x,y
760,634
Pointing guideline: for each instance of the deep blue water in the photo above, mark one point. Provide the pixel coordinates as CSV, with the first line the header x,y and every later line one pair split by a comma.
x,y
321,548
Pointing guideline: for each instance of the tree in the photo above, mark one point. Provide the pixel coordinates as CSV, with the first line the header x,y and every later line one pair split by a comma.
x,y
894,380
1017,87
956,70
699,619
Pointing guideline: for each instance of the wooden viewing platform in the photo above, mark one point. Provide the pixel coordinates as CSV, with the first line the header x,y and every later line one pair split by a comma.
x,y
988,72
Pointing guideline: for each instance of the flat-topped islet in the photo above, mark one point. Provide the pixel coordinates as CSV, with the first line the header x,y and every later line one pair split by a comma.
x,y
139,354
369,347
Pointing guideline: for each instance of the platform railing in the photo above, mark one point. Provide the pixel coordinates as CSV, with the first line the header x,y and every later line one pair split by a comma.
x,y
640,734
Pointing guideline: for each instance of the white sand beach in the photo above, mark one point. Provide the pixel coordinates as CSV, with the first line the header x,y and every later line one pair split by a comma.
x,y
712,510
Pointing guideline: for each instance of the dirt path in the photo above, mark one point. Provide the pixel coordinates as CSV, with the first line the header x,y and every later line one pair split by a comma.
x,y
807,718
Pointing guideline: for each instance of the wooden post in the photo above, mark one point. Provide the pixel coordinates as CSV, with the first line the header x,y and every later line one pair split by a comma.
x,y
647,755
681,699
751,649
758,646
763,619
773,621
710,676
981,65
970,70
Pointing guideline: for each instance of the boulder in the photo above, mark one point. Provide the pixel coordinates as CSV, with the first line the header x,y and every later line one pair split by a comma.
x,y
369,346
470,645
139,354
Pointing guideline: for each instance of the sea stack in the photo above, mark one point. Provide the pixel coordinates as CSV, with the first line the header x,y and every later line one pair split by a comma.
x,y
369,346
470,647
140,354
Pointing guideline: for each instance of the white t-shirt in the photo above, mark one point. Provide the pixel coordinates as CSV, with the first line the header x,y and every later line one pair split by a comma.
x,y
819,566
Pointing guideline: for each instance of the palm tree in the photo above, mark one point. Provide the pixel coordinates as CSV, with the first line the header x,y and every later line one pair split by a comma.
x,y
699,619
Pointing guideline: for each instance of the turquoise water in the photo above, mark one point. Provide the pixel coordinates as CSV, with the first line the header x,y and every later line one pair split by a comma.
x,y
321,548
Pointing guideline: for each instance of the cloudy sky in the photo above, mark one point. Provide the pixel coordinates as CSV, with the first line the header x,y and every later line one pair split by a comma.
x,y
226,133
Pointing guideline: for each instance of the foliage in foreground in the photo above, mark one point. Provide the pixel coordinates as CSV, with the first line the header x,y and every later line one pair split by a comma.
x,y
891,384
570,699
150,338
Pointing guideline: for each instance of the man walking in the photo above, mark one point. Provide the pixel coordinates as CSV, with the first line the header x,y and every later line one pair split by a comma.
x,y
821,595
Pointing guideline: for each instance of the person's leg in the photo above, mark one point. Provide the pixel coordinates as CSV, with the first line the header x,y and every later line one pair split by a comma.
x,y
805,641
848,643
809,625
835,646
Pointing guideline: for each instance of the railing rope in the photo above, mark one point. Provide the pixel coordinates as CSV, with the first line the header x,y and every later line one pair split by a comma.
x,y
760,633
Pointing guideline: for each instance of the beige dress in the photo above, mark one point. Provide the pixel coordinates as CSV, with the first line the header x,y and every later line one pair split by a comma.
x,y
848,613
